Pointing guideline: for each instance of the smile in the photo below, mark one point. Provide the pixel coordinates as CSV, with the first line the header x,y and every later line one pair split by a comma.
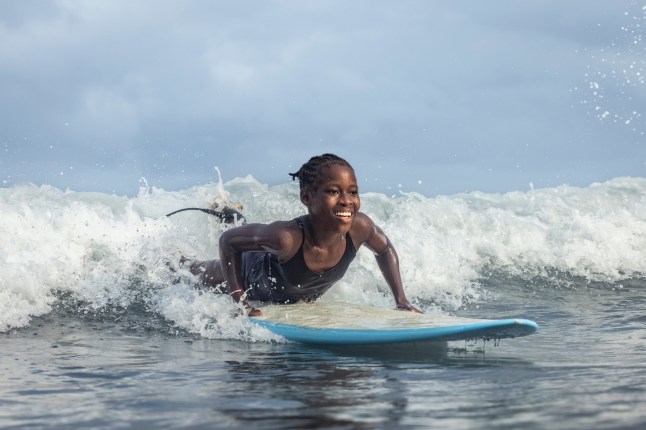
x,y
343,214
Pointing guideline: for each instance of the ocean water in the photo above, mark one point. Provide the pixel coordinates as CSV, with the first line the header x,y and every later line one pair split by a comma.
x,y
97,332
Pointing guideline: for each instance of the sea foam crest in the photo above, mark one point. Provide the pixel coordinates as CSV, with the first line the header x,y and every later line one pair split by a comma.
x,y
114,254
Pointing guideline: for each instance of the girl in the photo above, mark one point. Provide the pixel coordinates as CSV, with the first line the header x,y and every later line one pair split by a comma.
x,y
299,260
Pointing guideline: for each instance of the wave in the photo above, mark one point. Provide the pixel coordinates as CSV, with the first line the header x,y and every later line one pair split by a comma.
x,y
101,254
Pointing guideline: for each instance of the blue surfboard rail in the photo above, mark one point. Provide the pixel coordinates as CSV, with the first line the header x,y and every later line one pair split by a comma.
x,y
486,329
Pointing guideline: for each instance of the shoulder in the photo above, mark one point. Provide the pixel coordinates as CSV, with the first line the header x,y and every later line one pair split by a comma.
x,y
365,232
287,237
286,233
276,229
281,238
362,228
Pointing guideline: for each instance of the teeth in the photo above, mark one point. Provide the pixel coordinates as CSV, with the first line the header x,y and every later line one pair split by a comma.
x,y
344,213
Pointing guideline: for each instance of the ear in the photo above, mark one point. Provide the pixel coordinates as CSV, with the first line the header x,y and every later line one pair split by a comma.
x,y
306,197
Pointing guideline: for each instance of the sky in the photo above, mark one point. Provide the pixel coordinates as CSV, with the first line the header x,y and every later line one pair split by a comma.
x,y
431,96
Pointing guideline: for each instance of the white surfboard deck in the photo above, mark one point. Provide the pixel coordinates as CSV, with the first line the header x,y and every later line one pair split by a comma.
x,y
335,323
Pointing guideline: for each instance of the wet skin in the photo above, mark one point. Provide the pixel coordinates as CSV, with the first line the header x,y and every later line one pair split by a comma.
x,y
333,211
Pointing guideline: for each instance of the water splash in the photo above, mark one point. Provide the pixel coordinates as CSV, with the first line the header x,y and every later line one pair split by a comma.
x,y
616,76
104,256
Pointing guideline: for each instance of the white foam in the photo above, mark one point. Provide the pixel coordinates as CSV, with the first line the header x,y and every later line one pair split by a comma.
x,y
108,250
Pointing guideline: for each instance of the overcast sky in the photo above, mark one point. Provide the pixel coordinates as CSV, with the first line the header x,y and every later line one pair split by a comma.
x,y
437,97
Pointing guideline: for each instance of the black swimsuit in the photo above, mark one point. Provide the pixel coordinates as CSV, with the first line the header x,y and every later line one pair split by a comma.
x,y
268,280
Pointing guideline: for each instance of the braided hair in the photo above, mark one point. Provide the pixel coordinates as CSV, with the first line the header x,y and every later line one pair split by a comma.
x,y
308,174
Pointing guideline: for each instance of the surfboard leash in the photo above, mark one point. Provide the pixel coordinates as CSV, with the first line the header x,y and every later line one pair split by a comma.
x,y
226,215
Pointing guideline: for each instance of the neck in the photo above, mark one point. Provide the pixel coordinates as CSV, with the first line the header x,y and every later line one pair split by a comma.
x,y
318,237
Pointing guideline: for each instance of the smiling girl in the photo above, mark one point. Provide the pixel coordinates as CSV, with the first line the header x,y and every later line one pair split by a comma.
x,y
300,259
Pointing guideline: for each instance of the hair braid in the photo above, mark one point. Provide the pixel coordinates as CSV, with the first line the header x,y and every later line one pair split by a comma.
x,y
308,174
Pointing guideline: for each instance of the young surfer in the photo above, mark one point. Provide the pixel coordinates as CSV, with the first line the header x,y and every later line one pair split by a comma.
x,y
300,259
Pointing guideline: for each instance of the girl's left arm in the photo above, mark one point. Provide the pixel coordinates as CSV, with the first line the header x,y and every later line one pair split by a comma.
x,y
388,261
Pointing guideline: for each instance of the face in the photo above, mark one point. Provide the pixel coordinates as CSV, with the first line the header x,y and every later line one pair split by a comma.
x,y
335,202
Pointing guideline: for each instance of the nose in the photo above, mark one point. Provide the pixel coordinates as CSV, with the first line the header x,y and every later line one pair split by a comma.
x,y
346,199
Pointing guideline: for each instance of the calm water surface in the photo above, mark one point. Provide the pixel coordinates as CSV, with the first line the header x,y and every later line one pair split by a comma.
x,y
586,368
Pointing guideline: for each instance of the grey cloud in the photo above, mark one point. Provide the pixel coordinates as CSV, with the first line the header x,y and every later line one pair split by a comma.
x,y
440,92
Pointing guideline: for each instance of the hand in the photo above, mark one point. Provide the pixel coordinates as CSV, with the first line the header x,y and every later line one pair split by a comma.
x,y
253,312
408,307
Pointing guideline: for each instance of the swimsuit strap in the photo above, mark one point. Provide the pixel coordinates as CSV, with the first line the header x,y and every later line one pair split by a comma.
x,y
302,226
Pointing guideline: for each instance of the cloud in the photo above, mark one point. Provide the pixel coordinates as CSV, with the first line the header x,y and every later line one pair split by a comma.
x,y
439,92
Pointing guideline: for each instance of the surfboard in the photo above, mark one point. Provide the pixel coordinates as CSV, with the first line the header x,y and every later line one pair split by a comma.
x,y
335,323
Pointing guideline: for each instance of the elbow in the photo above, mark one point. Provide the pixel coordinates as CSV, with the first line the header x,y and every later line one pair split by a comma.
x,y
225,242
387,258
387,254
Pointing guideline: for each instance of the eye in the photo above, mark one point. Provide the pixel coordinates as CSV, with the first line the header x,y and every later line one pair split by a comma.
x,y
332,191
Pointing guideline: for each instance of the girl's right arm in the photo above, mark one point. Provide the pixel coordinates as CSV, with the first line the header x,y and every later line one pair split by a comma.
x,y
276,238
